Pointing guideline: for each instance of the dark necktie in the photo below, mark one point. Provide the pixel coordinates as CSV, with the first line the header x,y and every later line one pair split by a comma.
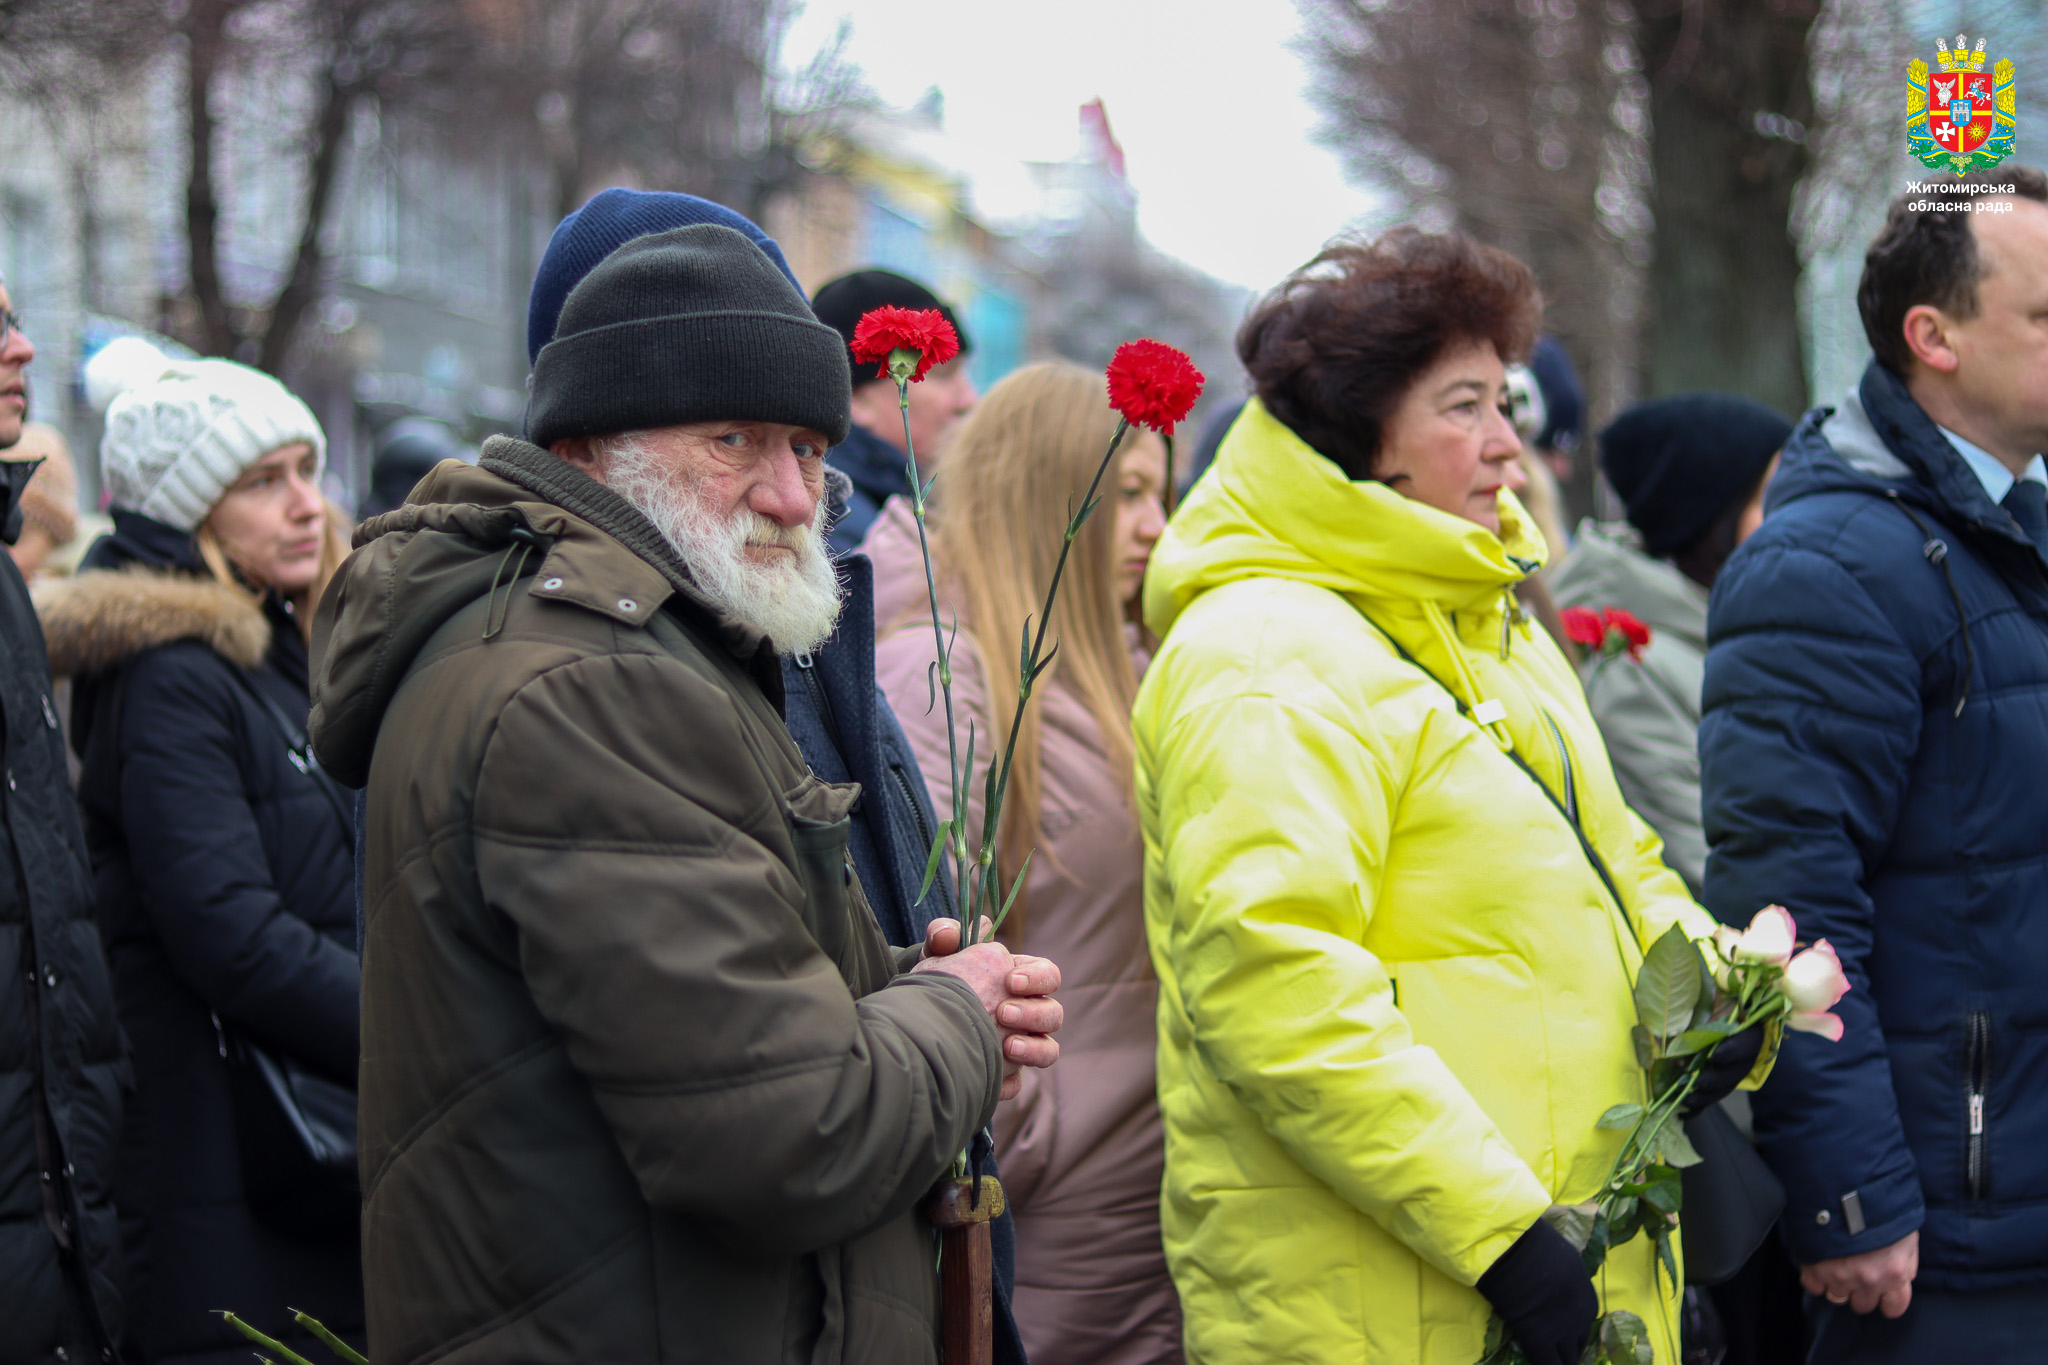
x,y
2028,503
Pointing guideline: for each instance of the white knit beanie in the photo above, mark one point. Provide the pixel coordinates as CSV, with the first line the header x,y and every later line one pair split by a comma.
x,y
180,432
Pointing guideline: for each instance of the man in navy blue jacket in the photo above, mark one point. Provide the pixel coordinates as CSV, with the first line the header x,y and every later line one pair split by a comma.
x,y
1874,755
872,455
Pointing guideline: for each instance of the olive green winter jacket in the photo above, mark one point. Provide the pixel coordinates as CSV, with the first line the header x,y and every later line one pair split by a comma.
x,y
640,1081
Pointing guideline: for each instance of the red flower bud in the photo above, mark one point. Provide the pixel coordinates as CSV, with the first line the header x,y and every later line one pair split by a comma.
x,y
922,331
1153,385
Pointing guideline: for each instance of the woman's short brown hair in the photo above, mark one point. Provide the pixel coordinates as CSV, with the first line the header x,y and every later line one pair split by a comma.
x,y
1336,345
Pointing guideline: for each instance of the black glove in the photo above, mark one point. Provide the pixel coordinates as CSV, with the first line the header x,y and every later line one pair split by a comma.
x,y
1541,1290
1727,1066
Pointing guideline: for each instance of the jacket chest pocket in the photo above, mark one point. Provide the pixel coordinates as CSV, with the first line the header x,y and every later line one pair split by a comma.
x,y
819,817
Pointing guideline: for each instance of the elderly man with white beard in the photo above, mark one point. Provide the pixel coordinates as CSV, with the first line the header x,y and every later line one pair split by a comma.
x,y
641,1078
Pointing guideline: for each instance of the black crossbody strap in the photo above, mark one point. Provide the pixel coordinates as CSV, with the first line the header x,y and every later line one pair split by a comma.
x,y
1571,816
296,746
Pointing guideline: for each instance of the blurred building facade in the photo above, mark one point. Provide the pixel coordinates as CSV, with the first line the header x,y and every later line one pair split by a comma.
x,y
433,235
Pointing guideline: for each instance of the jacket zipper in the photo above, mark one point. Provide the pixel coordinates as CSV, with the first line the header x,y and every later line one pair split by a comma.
x,y
1977,1062
1571,792
924,833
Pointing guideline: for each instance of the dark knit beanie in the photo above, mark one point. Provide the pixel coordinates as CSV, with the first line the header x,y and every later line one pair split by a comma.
x,y
1564,398
841,303
694,325
609,220
1679,463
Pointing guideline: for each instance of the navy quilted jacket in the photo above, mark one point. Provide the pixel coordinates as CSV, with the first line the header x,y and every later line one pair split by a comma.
x,y
1874,755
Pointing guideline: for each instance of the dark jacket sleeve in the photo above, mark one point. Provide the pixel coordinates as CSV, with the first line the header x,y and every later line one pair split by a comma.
x,y
1812,716
200,869
662,935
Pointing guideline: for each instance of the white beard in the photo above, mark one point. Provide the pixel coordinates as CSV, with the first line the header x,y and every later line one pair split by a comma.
x,y
791,598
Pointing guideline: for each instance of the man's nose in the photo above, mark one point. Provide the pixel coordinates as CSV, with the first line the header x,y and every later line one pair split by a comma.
x,y
783,494
16,348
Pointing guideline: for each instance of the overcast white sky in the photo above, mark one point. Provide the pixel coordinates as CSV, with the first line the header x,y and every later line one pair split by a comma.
x,y
1206,97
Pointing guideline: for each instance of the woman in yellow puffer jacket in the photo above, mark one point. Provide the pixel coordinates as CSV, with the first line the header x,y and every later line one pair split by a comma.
x,y
1395,993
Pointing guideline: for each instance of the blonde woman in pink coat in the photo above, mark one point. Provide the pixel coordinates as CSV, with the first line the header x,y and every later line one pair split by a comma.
x,y
1081,1146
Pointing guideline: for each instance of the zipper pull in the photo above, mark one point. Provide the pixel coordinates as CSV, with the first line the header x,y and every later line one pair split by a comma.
x,y
1976,1115
802,659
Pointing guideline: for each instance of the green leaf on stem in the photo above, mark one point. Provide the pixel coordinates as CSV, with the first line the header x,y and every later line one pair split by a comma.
x,y
1703,1038
1646,1049
1624,1220
1081,518
1674,1148
1011,899
1664,1256
1703,1008
1663,1189
931,866
1046,662
1594,1252
1574,1222
1500,1344
1621,1116
1621,1339
1668,984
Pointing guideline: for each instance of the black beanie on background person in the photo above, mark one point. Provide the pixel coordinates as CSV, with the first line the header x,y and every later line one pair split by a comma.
x,y
841,303
692,325
1679,463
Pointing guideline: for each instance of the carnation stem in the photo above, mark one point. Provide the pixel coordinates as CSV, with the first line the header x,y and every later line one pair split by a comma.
x,y
956,838
1168,492
1033,663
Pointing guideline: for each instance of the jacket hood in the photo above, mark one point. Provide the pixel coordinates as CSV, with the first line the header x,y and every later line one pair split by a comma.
x,y
1881,443
1607,568
469,530
97,620
1271,507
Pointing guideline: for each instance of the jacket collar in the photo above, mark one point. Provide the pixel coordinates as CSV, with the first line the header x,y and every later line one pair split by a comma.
x,y
1272,507
1881,441
592,576
1912,435
14,477
875,466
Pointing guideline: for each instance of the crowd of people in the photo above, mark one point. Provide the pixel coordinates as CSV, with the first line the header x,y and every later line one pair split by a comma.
x,y
502,929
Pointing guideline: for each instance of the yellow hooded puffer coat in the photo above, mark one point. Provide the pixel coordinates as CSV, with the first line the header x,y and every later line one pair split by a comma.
x,y
1394,994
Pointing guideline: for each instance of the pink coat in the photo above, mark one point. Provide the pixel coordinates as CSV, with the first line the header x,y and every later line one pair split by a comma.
x,y
1081,1147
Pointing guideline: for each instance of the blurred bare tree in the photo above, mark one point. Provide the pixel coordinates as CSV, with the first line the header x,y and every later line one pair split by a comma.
x,y
668,94
1732,110
1521,122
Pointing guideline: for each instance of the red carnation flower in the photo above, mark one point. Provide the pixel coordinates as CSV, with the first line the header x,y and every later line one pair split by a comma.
x,y
1153,385
924,331
1634,634
1582,626
1610,630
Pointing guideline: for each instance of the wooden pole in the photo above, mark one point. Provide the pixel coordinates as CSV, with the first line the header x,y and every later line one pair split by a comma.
x,y
967,1309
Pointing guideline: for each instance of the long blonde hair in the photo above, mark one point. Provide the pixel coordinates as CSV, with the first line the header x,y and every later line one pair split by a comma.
x,y
334,547
1013,473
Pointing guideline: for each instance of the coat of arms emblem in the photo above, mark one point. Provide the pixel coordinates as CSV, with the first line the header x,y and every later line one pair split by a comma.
x,y
1958,118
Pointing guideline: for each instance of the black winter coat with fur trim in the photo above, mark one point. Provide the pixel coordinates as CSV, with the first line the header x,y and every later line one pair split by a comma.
x,y
224,887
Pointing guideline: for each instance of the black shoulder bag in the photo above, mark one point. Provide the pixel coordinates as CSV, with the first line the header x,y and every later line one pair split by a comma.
x,y
1732,1200
295,1127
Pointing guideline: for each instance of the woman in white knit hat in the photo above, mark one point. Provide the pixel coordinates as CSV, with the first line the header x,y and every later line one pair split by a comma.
x,y
222,854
